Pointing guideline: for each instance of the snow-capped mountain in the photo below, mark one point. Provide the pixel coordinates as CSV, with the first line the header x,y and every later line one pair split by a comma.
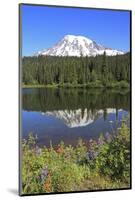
x,y
79,117
72,45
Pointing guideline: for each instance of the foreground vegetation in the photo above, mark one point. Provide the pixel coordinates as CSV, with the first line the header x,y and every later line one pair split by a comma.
x,y
99,71
101,164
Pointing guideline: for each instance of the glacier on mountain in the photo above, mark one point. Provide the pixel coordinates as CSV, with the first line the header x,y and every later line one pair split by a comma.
x,y
72,45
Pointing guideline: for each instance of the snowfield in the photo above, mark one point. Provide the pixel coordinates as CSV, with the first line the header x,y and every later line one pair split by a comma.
x,y
72,45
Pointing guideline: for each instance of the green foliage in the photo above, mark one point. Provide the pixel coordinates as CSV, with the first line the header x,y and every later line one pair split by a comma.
x,y
76,71
114,157
95,84
121,84
103,163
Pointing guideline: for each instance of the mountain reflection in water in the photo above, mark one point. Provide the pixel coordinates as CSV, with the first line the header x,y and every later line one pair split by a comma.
x,y
79,117
67,114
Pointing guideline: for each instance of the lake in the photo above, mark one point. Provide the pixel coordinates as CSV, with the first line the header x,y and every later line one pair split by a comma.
x,y
69,114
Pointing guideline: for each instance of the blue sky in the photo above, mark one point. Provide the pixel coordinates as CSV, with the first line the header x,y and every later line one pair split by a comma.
x,y
43,26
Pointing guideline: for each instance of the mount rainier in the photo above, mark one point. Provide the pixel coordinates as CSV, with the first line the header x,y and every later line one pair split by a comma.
x,y
72,45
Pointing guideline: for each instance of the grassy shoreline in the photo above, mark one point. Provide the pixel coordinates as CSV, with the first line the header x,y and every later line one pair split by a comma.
x,y
98,84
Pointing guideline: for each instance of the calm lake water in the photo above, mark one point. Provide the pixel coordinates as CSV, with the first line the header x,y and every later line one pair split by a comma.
x,y
69,114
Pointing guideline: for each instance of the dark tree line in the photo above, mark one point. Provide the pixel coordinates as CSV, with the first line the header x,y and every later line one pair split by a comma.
x,y
46,70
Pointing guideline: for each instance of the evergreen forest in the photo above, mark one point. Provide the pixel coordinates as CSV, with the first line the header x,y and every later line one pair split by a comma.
x,y
98,71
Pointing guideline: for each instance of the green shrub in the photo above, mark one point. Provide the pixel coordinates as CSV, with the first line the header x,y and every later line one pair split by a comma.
x,y
121,84
114,157
95,84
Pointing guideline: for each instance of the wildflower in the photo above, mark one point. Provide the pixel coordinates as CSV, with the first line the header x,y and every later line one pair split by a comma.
x,y
48,184
38,151
92,154
44,173
87,156
108,137
60,149
100,141
90,141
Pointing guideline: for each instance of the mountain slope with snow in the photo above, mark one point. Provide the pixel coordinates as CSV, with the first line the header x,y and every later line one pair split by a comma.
x,y
72,45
